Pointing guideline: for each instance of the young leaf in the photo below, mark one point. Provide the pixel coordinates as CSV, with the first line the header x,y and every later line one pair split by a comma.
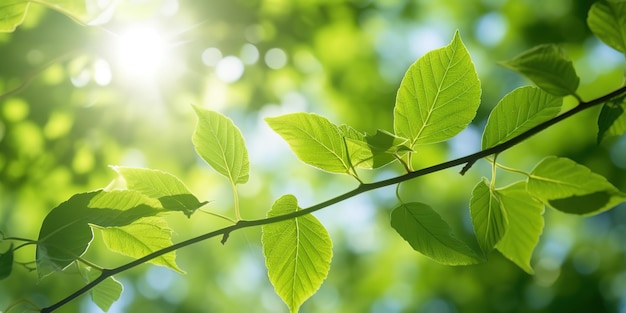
x,y
12,13
525,216
220,143
519,111
165,187
488,217
438,96
314,139
142,238
106,292
571,187
374,151
607,20
65,233
548,67
612,120
297,253
430,235
6,263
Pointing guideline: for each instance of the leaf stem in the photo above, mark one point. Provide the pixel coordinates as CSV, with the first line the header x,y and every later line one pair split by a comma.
x,y
224,217
468,159
236,199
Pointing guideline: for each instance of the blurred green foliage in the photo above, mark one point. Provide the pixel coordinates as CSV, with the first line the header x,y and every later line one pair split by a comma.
x,y
72,110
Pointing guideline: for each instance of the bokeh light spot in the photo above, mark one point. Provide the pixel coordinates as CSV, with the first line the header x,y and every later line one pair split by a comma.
x,y
249,54
229,69
211,56
275,58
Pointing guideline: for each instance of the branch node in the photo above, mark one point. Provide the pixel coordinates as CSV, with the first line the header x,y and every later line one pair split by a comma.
x,y
467,166
224,238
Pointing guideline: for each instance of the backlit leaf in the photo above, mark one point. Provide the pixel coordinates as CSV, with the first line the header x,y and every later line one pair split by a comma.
x,y
607,20
430,235
297,253
612,120
12,13
548,67
6,263
142,238
525,216
171,192
65,233
488,217
106,292
314,139
571,187
220,143
519,111
438,96
374,151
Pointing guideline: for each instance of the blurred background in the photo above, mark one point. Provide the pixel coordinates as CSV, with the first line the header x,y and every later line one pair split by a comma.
x,y
81,98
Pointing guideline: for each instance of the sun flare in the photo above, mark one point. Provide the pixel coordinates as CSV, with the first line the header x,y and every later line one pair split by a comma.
x,y
140,52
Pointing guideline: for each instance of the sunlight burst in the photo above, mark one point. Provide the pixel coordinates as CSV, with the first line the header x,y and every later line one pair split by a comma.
x,y
141,51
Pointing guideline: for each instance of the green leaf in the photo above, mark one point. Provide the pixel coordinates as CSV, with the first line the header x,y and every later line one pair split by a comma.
x,y
571,187
297,253
141,238
488,217
12,13
519,111
165,187
106,292
607,20
525,216
65,233
374,151
548,67
438,96
314,139
430,235
612,120
6,263
220,143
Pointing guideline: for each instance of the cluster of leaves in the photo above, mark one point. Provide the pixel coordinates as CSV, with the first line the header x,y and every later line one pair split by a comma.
x,y
437,99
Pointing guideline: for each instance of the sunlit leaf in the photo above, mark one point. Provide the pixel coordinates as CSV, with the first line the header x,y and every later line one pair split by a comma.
x,y
12,13
488,217
571,187
297,253
106,292
220,143
612,120
6,263
438,96
607,20
65,233
142,238
519,111
165,187
548,67
314,139
430,235
374,151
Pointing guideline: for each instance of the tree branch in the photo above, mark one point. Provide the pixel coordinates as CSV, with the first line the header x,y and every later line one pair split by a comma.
x,y
468,160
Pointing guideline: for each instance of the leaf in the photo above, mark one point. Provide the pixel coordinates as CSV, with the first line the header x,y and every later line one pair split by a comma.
x,y
106,292
488,217
525,216
548,67
6,263
562,183
314,139
12,13
430,235
438,96
519,111
374,151
297,253
607,20
171,192
220,143
141,238
612,120
65,233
